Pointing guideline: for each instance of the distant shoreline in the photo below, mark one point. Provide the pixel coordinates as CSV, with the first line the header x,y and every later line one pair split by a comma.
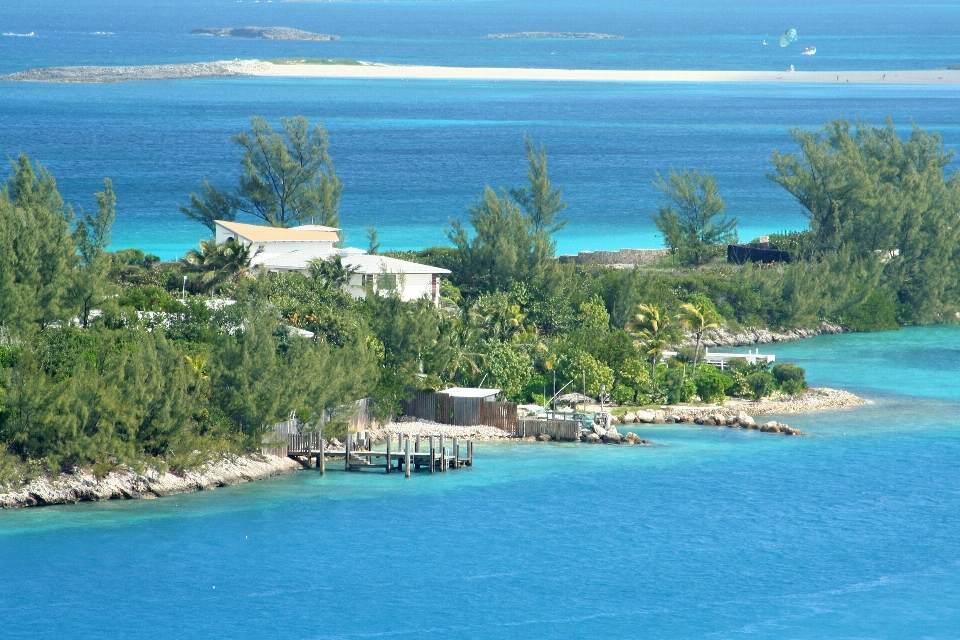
x,y
370,71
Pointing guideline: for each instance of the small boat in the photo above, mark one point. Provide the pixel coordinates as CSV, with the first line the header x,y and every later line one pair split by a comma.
x,y
809,51
764,43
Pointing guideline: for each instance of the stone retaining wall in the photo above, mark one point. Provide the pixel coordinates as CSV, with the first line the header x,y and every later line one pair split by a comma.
x,y
621,257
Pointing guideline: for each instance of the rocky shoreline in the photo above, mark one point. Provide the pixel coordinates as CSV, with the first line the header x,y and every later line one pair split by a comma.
x,y
748,337
101,75
739,413
82,485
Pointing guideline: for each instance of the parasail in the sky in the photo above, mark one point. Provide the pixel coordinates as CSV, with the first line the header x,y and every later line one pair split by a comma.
x,y
790,35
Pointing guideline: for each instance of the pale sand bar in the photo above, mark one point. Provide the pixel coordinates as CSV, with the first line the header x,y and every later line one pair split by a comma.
x,y
402,72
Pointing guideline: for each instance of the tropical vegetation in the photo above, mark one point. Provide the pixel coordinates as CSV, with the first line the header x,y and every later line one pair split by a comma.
x,y
116,357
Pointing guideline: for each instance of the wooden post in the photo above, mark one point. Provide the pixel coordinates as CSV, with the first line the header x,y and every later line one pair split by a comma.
x,y
443,458
417,445
456,452
406,459
346,452
389,442
323,457
433,455
470,453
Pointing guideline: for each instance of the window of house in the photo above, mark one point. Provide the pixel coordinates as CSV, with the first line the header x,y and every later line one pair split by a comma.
x,y
387,281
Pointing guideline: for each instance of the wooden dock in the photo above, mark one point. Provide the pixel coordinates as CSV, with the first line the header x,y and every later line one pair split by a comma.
x,y
416,454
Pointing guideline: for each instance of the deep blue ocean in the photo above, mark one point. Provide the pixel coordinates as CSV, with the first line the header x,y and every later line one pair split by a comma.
x,y
413,155
851,532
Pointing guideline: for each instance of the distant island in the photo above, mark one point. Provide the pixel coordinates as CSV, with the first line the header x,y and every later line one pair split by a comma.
x,y
265,33
556,34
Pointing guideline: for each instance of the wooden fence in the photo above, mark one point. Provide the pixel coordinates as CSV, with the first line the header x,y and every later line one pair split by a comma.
x,y
442,408
357,415
564,430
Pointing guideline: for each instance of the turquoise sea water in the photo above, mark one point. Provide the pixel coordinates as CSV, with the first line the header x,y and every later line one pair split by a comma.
x,y
415,154
850,532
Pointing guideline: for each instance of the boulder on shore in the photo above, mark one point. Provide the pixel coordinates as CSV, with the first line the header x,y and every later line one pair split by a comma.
x,y
544,437
646,417
592,438
612,436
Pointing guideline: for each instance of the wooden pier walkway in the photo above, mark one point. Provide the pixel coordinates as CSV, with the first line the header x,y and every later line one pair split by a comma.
x,y
428,454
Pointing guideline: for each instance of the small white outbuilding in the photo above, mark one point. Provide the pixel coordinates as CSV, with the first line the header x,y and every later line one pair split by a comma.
x,y
279,249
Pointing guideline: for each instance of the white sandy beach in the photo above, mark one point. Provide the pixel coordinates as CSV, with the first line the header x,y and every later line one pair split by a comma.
x,y
226,68
403,72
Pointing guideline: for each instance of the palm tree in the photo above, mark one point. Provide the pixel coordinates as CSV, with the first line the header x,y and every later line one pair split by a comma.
x,y
461,348
652,328
331,272
698,316
216,264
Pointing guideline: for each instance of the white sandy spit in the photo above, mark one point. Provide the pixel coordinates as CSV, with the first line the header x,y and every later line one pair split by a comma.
x,y
368,70
413,72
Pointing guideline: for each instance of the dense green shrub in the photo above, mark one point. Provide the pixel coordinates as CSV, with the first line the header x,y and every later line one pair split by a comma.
x,y
623,394
790,378
877,313
711,384
677,385
761,384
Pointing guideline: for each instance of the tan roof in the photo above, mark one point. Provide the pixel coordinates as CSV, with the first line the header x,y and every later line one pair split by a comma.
x,y
262,233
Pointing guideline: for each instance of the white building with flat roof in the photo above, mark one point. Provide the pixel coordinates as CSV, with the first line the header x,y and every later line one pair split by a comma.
x,y
281,249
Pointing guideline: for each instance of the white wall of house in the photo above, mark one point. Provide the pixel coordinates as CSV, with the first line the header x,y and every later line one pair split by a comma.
x,y
411,286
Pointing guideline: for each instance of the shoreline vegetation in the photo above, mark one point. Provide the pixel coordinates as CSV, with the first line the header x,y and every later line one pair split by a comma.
x,y
371,70
114,360
127,483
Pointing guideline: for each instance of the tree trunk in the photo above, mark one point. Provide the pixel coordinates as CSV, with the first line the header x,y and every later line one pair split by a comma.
x,y
696,352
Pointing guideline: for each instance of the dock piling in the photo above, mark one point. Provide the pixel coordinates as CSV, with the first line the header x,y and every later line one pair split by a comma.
x,y
322,458
470,452
406,459
346,452
433,455
456,452
389,442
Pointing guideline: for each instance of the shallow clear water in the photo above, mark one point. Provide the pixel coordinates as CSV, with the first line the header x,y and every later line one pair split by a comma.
x,y
852,531
415,154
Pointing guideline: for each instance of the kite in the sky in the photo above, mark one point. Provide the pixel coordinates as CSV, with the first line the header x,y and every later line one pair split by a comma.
x,y
790,35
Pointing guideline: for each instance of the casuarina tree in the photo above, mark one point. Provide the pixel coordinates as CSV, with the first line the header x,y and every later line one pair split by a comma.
x,y
286,179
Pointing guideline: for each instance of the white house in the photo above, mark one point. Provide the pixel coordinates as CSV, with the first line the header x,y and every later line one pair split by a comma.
x,y
410,279
279,249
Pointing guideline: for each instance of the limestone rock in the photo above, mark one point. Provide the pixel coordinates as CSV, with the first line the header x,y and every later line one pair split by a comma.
x,y
544,437
770,427
592,438
646,417
629,418
598,430
612,436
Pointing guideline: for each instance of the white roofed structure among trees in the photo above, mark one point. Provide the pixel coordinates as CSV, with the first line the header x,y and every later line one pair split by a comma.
x,y
292,249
